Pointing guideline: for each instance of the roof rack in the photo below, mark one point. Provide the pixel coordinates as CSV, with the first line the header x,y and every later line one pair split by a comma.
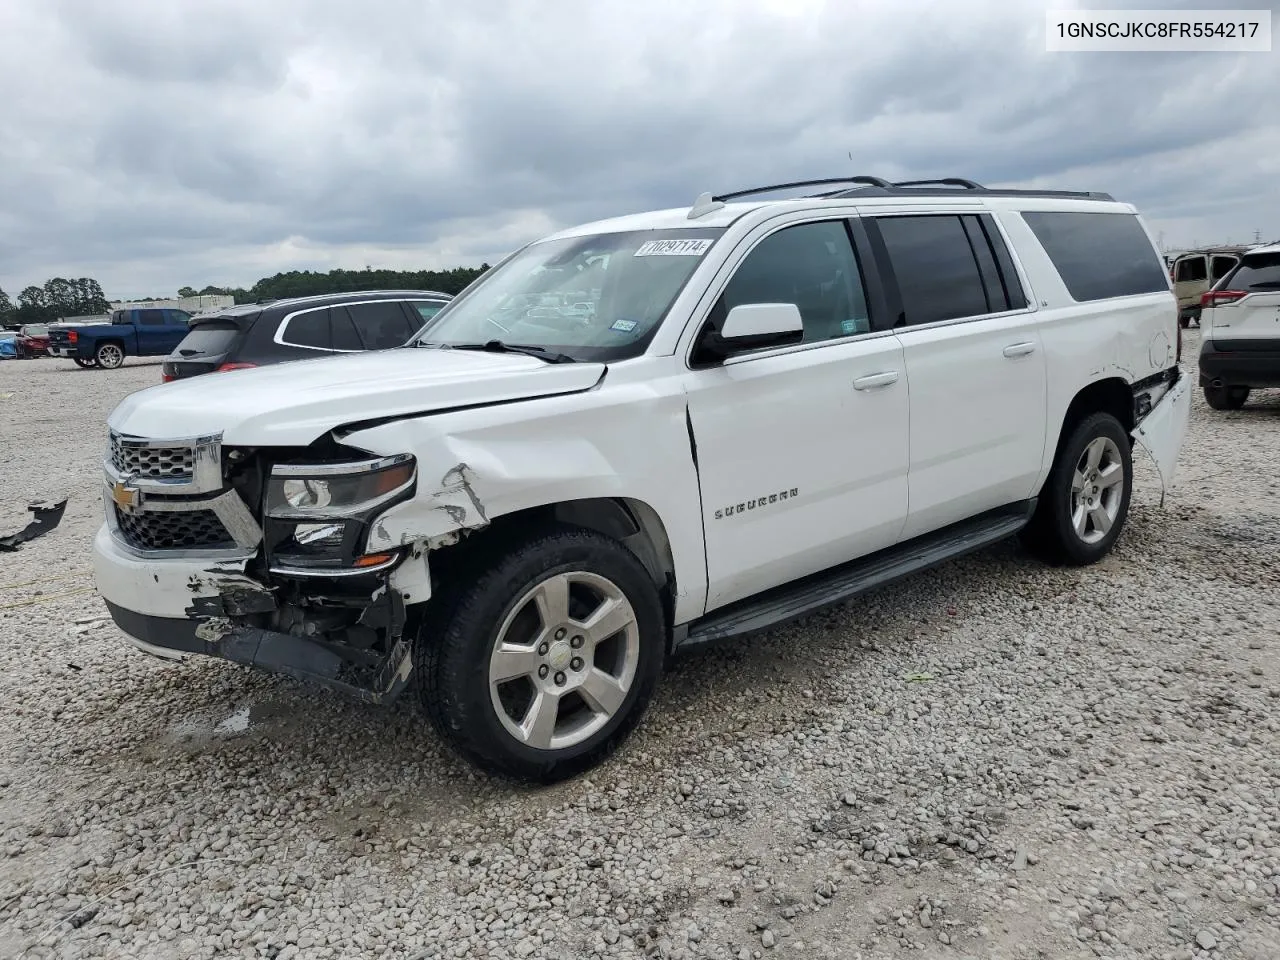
x,y
868,186
944,182
869,181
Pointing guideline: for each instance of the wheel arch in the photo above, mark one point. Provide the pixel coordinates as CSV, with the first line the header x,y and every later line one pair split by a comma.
x,y
1111,395
632,522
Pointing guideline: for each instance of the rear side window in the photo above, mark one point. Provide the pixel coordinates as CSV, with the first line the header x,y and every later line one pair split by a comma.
x,y
1190,270
208,339
307,329
343,331
152,318
1257,271
381,325
935,266
1099,255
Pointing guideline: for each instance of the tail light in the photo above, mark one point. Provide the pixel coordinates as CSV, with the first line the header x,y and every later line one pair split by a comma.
x,y
1177,325
167,378
72,336
234,366
1216,298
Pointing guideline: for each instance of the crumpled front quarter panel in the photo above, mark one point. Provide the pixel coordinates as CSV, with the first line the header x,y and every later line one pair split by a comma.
x,y
628,440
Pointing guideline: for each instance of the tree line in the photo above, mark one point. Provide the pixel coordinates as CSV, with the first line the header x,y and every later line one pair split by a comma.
x,y
58,297
71,298
306,283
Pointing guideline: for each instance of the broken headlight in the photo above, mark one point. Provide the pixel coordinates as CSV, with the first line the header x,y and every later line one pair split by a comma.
x,y
318,515
336,490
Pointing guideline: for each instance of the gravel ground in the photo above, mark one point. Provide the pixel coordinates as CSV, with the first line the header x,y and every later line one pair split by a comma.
x,y
997,761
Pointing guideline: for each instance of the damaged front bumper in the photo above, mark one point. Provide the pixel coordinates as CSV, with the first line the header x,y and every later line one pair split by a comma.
x,y
177,607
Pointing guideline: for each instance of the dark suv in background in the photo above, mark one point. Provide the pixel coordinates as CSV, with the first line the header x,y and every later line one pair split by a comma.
x,y
257,334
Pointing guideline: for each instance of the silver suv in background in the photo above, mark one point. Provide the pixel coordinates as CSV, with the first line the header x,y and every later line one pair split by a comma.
x,y
1240,319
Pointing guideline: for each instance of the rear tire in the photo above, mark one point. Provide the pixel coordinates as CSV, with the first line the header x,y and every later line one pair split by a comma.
x,y
573,694
1085,501
86,364
109,356
1226,398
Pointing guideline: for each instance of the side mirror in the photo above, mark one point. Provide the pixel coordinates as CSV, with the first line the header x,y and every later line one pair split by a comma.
x,y
761,324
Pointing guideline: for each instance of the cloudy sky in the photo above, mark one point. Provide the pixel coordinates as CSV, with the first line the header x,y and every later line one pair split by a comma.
x,y
153,144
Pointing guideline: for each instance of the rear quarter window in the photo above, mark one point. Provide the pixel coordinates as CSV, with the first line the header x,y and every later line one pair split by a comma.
x,y
1099,255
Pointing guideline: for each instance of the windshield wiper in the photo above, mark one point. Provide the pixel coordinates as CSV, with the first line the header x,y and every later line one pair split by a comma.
x,y
501,346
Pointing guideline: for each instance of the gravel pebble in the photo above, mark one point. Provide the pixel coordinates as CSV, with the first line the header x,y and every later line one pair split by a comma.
x,y
1091,769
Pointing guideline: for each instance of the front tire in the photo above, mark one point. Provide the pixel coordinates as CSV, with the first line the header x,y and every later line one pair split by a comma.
x,y
1226,398
109,356
1084,503
539,666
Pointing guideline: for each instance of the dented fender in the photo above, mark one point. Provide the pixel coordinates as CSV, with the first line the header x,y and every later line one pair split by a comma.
x,y
630,441
484,480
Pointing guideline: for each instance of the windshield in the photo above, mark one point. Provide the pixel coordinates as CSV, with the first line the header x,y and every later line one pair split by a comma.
x,y
600,297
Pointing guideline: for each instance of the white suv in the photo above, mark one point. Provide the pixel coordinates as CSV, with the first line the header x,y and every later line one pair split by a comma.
x,y
1240,320
647,433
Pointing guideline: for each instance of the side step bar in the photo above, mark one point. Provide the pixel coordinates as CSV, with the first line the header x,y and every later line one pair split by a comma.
x,y
801,597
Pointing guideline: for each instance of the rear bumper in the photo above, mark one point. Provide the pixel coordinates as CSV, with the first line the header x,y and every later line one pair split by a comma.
x,y
65,352
1240,363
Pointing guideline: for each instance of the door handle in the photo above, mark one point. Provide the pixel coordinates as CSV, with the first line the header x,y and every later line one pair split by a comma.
x,y
874,380
1019,349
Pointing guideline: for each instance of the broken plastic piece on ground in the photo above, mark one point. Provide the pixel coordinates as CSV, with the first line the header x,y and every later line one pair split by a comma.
x,y
47,516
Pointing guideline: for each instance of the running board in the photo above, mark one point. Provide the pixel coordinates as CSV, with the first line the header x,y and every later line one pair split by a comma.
x,y
804,596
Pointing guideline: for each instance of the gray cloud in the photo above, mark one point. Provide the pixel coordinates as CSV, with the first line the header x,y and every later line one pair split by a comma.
x,y
153,144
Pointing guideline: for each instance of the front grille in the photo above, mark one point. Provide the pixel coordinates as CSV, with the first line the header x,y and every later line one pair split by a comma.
x,y
152,463
188,530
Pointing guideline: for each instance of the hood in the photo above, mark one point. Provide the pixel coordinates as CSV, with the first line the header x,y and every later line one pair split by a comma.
x,y
292,404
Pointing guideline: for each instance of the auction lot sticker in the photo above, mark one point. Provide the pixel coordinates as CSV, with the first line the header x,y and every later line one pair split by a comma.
x,y
673,248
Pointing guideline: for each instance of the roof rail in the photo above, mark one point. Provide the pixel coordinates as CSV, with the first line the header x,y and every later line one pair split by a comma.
x,y
868,186
868,181
944,182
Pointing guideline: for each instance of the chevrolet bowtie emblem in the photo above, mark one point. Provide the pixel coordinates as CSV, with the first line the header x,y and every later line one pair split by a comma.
x,y
127,498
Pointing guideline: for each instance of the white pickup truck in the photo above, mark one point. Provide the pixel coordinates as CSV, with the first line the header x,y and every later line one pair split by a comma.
x,y
647,433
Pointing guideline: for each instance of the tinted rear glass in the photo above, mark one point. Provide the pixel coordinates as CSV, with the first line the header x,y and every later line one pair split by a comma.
x,y
1100,255
308,329
342,330
208,339
935,268
382,325
1258,271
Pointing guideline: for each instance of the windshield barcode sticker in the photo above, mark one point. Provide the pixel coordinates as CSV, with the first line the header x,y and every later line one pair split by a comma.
x,y
673,248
